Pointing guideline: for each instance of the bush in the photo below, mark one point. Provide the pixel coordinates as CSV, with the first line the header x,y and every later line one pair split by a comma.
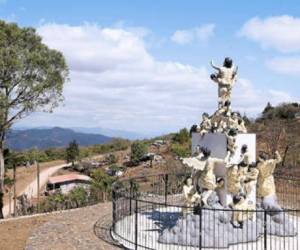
x,y
180,150
182,137
138,150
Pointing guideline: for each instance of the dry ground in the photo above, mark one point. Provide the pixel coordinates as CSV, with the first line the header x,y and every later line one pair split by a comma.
x,y
14,233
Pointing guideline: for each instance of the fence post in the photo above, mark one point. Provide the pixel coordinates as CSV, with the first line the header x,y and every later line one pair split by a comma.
x,y
130,197
113,196
265,230
200,229
136,225
166,188
15,191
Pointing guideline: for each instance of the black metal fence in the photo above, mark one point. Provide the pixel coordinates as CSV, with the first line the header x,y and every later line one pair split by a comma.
x,y
149,213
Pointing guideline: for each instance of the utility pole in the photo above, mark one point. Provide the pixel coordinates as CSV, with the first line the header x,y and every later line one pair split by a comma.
x,y
15,191
38,185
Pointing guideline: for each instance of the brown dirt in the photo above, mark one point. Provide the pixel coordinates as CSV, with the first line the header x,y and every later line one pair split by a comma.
x,y
14,233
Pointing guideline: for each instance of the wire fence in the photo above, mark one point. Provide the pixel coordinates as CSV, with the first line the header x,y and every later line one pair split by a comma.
x,y
149,213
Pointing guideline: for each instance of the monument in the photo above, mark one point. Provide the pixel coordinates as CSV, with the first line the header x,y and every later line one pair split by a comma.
x,y
226,179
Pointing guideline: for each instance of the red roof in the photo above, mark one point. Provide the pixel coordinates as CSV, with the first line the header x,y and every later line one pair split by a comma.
x,y
68,177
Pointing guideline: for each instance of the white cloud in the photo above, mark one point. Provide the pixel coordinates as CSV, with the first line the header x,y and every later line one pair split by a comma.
x,y
117,83
285,65
280,96
279,32
198,34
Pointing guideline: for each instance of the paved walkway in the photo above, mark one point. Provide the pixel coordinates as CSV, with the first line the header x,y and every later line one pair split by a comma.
x,y
79,229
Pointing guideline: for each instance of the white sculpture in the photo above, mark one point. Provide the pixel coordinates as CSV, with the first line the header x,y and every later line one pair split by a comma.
x,y
244,163
243,210
233,180
225,78
205,125
191,196
266,167
205,179
231,141
251,180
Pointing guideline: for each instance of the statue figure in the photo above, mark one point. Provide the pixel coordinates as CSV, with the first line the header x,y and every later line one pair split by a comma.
x,y
251,180
225,78
224,109
233,121
191,196
266,167
233,180
241,126
243,165
205,125
246,207
221,191
231,140
205,179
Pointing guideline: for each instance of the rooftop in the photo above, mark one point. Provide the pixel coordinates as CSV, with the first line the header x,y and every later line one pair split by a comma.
x,y
68,177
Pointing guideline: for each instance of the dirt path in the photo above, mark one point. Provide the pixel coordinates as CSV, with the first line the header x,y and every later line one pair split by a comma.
x,y
31,189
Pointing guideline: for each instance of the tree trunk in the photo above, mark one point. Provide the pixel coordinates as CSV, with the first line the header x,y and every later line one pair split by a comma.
x,y
1,181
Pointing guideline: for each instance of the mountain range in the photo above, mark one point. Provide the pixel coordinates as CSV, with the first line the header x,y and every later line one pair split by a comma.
x,y
43,138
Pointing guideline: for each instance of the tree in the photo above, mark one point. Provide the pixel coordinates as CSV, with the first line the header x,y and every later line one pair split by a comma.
x,y
72,152
182,137
31,79
101,183
138,150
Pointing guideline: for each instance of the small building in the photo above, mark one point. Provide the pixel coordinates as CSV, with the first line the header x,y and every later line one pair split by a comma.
x,y
65,183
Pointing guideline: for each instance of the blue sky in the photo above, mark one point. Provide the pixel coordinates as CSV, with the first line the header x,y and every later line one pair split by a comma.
x,y
144,65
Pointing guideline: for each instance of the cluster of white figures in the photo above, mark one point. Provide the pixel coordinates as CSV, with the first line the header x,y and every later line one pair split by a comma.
x,y
224,158
226,177
220,206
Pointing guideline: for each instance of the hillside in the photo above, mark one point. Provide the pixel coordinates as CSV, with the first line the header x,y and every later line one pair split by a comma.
x,y
278,128
50,138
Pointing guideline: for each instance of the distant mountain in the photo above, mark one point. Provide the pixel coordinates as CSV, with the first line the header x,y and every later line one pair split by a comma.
x,y
99,130
43,138
110,132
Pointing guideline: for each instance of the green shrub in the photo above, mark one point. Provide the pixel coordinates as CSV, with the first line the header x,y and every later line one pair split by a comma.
x,y
180,150
138,150
182,137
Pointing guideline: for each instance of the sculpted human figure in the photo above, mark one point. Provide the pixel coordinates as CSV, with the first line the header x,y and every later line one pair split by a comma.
x,y
205,179
225,77
231,141
233,121
243,165
241,126
233,180
205,125
246,207
191,196
266,167
224,109
251,180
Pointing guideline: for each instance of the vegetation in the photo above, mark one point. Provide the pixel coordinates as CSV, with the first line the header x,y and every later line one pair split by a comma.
x,y
181,143
101,184
182,137
72,152
138,150
180,150
278,128
283,111
31,79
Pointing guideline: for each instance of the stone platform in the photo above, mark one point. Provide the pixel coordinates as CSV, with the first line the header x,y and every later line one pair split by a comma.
x,y
165,229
